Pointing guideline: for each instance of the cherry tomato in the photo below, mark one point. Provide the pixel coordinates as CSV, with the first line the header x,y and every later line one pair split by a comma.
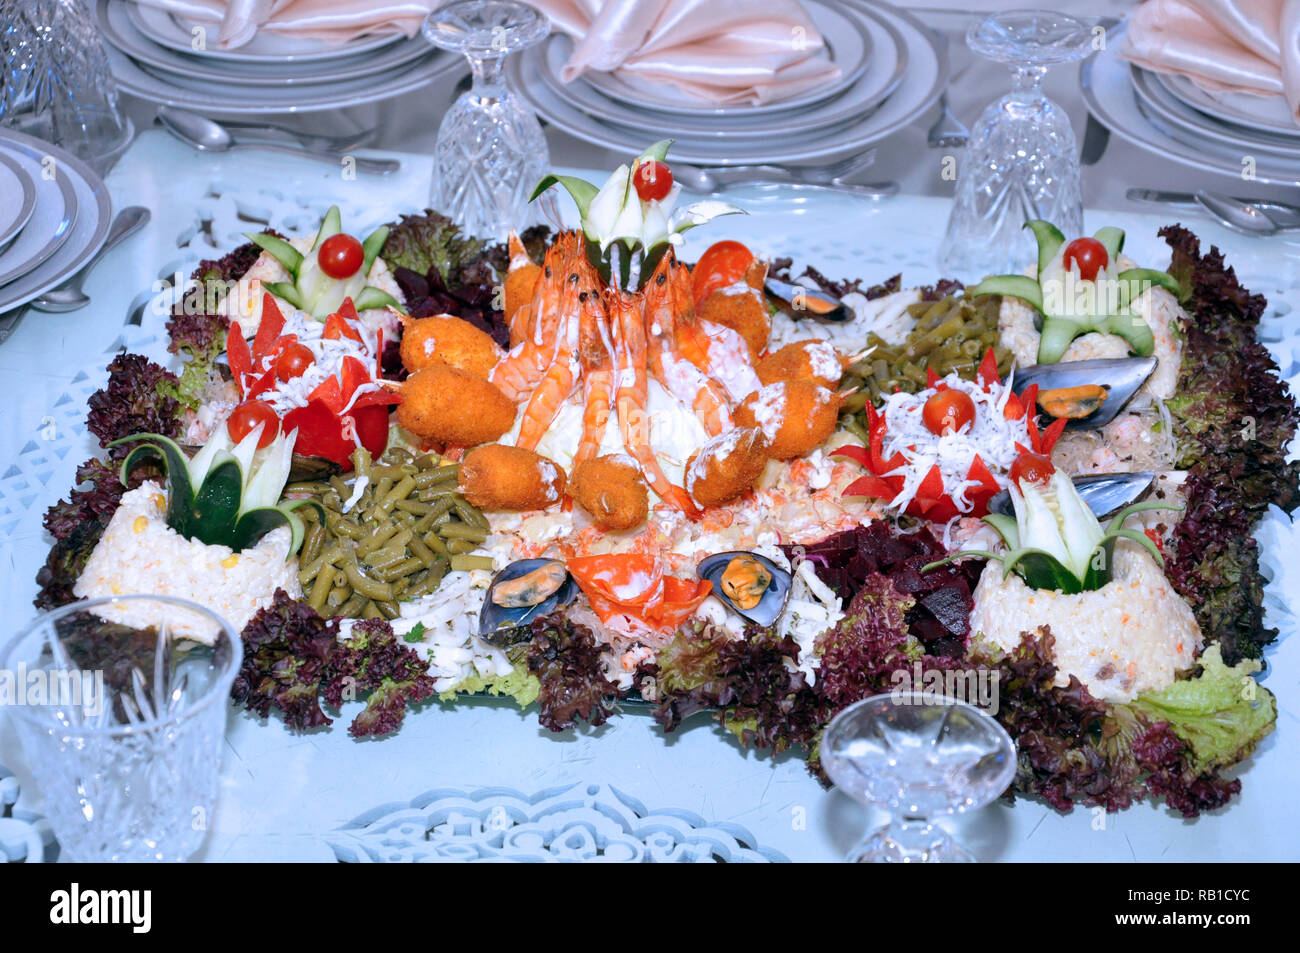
x,y
948,411
652,180
247,416
340,256
293,361
1032,467
1089,254
721,265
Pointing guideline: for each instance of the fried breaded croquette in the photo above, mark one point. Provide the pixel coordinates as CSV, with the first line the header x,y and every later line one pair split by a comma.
x,y
612,490
794,416
743,308
814,360
449,406
447,339
727,467
495,477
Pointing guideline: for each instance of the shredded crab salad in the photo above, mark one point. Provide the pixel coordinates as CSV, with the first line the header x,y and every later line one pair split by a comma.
x,y
991,436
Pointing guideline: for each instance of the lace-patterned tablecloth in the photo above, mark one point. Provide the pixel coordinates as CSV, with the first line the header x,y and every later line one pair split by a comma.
x,y
481,779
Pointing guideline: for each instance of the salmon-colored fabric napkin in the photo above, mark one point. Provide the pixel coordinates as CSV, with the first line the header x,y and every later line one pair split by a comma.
x,y
726,52
1250,46
334,21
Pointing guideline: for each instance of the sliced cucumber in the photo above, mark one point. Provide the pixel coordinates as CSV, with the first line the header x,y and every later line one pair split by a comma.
x,y
371,246
372,297
278,249
1014,286
287,291
1056,337
1049,240
657,151
331,226
1133,276
1112,239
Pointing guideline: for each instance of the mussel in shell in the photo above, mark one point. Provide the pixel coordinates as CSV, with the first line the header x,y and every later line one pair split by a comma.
x,y
748,583
808,302
1105,493
521,592
1089,394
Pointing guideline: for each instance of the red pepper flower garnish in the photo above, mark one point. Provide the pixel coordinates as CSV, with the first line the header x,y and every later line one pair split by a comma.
x,y
930,501
335,418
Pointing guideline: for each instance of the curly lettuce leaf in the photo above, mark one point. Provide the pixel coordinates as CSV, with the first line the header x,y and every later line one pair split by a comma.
x,y
1222,713
567,662
519,683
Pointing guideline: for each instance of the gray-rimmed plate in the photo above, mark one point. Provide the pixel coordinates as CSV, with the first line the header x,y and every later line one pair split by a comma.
x,y
1271,113
847,43
923,81
881,78
94,215
53,216
1195,126
171,31
17,199
210,97
1107,87
120,31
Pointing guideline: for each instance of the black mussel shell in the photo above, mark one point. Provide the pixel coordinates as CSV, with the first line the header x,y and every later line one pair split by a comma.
x,y
769,607
1105,493
808,302
1120,376
498,625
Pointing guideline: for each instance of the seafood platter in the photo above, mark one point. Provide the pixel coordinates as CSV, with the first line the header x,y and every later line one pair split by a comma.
x,y
586,470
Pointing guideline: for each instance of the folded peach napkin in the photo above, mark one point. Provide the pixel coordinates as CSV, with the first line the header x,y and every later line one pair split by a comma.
x,y
1248,46
328,20
713,51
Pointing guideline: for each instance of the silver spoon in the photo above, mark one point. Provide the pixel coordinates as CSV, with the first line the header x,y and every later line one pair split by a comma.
x,y
208,135
1239,216
69,296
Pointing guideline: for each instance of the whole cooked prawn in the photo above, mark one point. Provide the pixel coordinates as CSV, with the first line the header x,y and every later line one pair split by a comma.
x,y
626,314
596,358
578,303
664,311
522,369
718,351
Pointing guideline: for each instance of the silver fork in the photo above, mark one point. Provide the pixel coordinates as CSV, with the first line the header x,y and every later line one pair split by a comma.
x,y
947,132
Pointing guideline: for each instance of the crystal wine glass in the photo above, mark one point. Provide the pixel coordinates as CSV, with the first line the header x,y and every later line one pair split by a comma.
x,y
918,755
56,84
490,150
124,736
1022,161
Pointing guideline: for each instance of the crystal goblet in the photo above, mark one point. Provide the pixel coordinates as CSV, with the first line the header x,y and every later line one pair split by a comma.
x,y
918,755
56,83
122,722
490,150
1022,161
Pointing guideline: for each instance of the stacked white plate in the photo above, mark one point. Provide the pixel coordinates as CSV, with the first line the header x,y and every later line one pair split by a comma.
x,y
54,215
160,57
891,71
1232,133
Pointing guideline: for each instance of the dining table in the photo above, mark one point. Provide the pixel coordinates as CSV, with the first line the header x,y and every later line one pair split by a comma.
x,y
480,779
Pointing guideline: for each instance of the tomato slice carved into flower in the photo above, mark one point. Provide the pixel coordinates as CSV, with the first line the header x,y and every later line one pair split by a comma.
x,y
637,586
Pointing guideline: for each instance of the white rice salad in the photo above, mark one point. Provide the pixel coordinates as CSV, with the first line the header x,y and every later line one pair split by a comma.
x,y
1132,635
140,553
